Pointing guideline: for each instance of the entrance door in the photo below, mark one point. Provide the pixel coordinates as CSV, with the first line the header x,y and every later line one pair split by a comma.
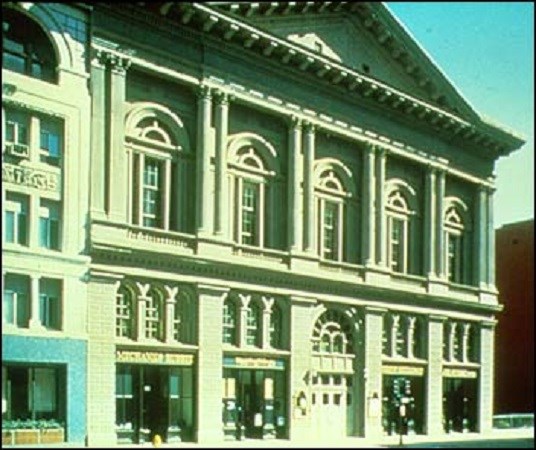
x,y
250,400
155,402
329,406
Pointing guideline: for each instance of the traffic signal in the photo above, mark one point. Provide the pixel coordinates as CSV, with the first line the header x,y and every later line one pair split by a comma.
x,y
397,388
407,387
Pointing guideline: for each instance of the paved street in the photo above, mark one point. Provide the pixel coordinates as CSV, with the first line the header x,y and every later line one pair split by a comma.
x,y
489,443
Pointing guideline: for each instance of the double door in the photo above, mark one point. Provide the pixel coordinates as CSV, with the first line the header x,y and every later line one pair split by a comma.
x,y
331,405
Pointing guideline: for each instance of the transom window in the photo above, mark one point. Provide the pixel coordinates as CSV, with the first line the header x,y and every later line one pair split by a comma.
x,y
26,47
332,333
402,336
460,341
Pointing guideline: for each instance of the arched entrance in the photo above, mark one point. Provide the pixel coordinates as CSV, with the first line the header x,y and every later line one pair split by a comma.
x,y
334,407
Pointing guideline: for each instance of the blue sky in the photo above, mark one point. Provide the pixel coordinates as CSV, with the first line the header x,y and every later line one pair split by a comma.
x,y
487,50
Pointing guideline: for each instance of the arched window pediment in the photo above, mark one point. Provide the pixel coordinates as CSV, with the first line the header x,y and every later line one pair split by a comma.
x,y
333,176
252,152
401,196
154,124
455,213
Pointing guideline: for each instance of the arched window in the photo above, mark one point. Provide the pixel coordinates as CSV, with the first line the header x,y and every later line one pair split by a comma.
x,y
275,327
158,145
26,47
332,190
400,209
184,317
124,313
332,333
229,322
253,322
154,315
252,163
455,225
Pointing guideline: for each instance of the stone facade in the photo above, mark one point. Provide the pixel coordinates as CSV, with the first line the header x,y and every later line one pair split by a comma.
x,y
277,242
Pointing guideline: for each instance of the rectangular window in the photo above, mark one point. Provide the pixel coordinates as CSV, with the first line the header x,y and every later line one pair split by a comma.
x,y
454,257
50,141
49,224
252,325
397,245
36,393
16,301
229,323
50,303
16,218
152,319
331,226
249,213
151,193
17,127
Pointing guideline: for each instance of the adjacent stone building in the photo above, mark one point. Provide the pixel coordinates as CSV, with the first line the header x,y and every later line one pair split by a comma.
x,y
286,213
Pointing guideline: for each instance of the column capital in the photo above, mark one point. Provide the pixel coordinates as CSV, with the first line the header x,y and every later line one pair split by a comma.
x,y
245,299
488,324
295,122
222,98
119,64
204,92
268,303
143,289
172,292
309,127
99,58
375,310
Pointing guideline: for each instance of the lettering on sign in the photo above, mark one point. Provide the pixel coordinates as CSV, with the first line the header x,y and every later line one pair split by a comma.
x,y
459,373
255,362
403,370
175,359
26,176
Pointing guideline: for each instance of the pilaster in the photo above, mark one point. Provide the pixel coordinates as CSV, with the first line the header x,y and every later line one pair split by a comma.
x,y
102,289
491,242
480,250
485,380
434,375
439,236
309,197
295,196
268,303
209,385
204,152
221,221
171,304
98,144
117,174
373,366
430,218
368,205
381,218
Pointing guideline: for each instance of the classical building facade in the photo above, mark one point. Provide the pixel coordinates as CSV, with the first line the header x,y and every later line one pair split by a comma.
x,y
288,221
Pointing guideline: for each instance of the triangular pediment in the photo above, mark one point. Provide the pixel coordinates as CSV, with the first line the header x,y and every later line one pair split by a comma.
x,y
365,37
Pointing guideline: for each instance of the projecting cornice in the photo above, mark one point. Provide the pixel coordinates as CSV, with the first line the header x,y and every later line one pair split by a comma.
x,y
210,19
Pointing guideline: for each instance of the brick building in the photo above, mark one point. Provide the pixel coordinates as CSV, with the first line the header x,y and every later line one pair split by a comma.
x,y
514,386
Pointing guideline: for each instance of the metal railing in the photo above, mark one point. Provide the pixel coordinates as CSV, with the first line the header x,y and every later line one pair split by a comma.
x,y
504,421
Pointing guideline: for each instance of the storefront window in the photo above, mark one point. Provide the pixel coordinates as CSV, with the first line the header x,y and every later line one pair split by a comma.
x,y
34,393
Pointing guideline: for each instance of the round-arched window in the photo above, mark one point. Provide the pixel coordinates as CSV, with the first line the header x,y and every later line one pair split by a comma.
x,y
26,47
